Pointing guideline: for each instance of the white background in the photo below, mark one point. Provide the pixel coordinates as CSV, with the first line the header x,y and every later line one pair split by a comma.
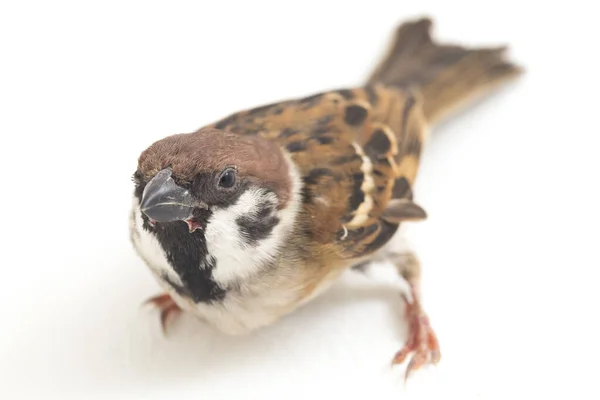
x,y
510,250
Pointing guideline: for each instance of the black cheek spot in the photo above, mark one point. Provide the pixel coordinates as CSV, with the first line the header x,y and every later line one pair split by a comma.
x,y
278,110
258,226
355,115
378,145
296,146
358,195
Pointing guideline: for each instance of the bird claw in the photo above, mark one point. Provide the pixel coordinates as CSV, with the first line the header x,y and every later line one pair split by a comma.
x,y
422,341
167,308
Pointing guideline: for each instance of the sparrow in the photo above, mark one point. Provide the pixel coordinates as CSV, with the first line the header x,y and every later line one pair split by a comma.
x,y
244,220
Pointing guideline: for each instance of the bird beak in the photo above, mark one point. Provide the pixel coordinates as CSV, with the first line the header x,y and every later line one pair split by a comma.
x,y
165,201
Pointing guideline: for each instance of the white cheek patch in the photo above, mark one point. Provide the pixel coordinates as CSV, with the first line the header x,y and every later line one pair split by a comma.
x,y
225,241
236,259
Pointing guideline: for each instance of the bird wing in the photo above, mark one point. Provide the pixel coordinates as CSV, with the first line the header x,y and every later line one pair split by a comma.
x,y
357,152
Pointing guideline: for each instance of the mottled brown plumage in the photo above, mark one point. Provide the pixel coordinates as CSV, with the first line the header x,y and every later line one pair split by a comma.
x,y
356,153
351,147
329,133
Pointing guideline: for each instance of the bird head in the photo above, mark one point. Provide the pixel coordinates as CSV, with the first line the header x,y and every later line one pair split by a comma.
x,y
183,178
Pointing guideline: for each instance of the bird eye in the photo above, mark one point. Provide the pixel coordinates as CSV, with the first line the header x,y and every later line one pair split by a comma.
x,y
227,178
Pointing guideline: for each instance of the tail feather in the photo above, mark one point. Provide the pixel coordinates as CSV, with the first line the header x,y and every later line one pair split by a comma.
x,y
447,75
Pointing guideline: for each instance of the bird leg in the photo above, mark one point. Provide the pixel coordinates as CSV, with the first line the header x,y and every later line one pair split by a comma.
x,y
167,307
422,341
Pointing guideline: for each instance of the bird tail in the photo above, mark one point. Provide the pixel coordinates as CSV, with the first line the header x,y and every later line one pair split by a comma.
x,y
447,76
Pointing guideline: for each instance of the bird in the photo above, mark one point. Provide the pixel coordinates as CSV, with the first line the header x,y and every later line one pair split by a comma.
x,y
252,216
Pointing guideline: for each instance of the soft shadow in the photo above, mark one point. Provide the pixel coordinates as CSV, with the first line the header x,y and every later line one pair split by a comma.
x,y
193,348
97,336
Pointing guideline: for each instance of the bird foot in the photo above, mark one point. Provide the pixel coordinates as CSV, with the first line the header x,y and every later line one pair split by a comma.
x,y
422,341
167,308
